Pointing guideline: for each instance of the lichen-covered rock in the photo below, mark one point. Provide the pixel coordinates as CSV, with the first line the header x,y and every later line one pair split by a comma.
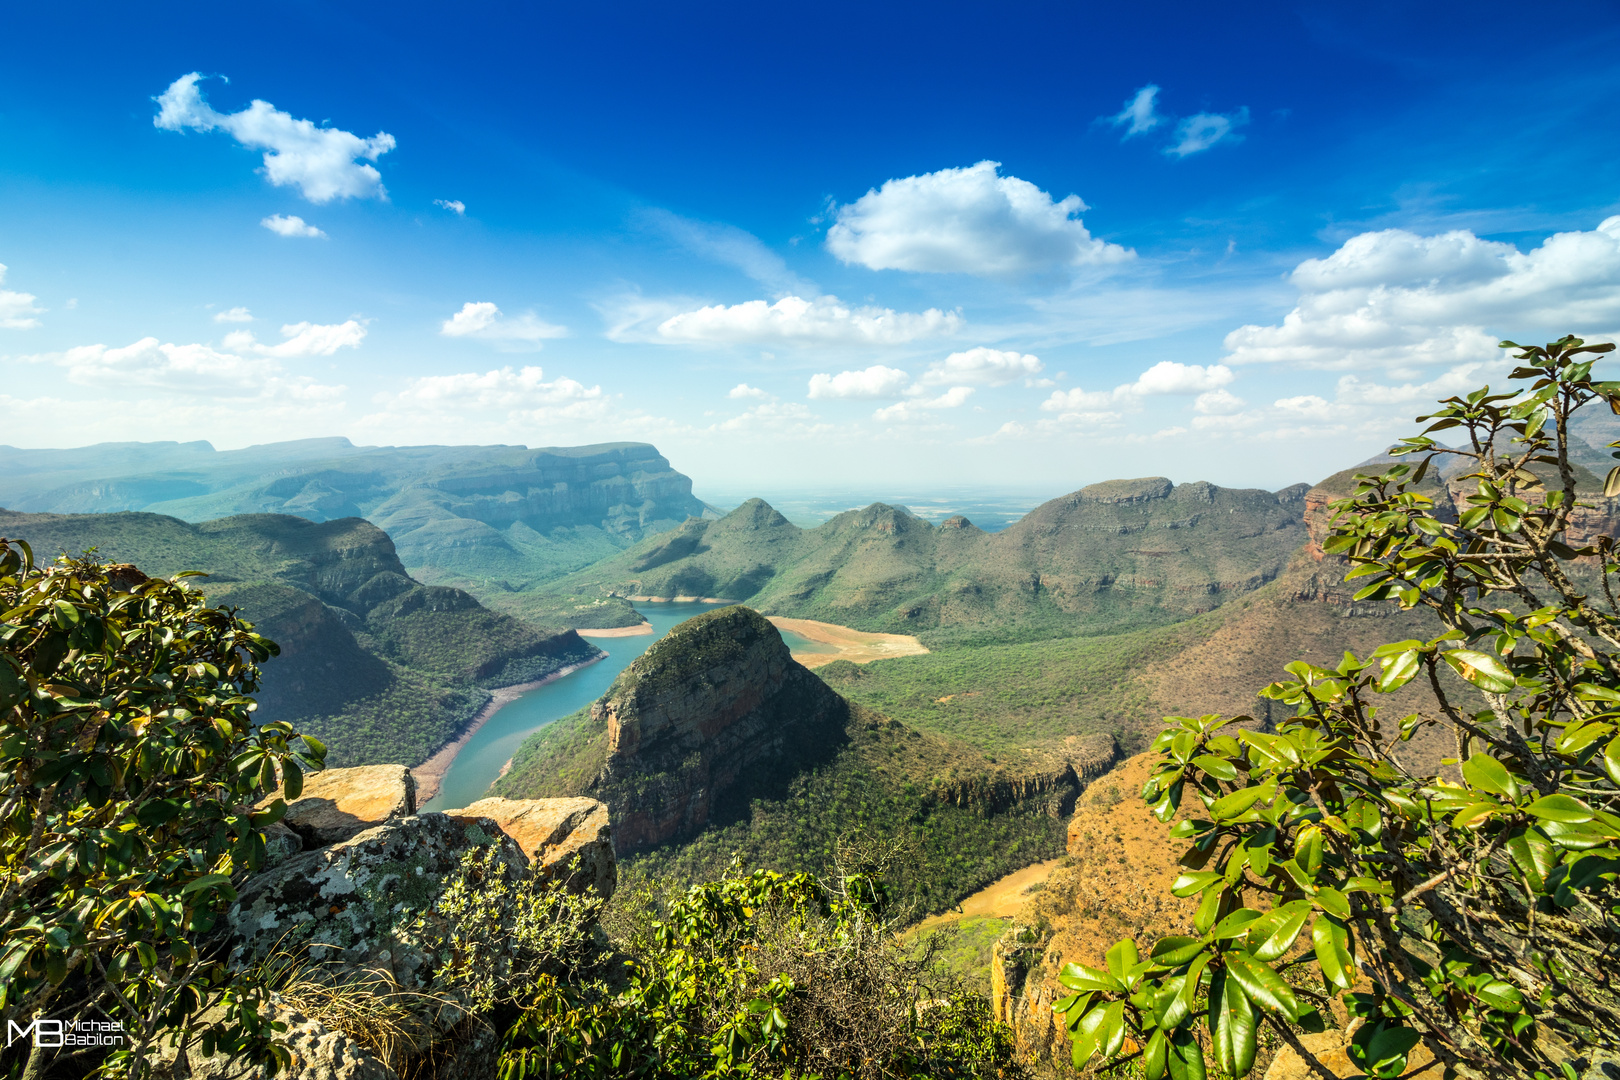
x,y
339,803
353,902
553,833
280,843
319,1053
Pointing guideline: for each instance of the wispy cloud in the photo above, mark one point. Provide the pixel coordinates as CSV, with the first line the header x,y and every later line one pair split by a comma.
x,y
1201,131
18,310
796,320
1139,116
302,339
455,206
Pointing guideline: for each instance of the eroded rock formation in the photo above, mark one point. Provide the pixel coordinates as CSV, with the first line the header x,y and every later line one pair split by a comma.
x,y
717,704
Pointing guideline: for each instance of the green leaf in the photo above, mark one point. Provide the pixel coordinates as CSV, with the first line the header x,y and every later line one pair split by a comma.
x,y
1153,1057
1399,670
1262,985
1236,924
1331,939
1611,483
1175,951
1186,1057
1482,669
1560,808
292,779
1234,1027
1193,884
1112,1035
1486,773
1082,979
1121,958
1499,995
1281,938
1475,814
1219,768
1333,902
1381,1050
1230,806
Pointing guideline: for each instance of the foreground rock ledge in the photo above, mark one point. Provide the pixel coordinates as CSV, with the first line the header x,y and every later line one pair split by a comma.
x,y
338,804
552,833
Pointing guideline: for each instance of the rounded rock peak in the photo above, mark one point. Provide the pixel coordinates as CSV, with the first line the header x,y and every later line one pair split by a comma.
x,y
1142,489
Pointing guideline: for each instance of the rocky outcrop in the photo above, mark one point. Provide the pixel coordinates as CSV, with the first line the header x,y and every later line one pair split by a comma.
x,y
1061,774
353,902
718,701
555,832
337,804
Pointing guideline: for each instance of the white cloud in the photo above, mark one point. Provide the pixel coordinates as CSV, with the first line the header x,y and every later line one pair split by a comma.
x,y
971,221
793,319
1219,403
1169,377
524,391
290,225
17,309
915,408
303,339
982,367
187,371
323,163
1201,131
483,320
1139,116
1401,302
876,381
743,390
1308,406
777,420
455,206
235,314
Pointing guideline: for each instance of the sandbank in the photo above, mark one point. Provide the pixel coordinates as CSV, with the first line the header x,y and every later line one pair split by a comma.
x,y
430,774
1001,899
857,646
678,600
618,631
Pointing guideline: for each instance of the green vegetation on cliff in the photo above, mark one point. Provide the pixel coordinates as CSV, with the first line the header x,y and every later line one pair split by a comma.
x,y
382,668
1117,556
715,743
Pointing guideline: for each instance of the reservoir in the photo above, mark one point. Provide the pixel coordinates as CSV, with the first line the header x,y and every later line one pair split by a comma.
x,y
492,746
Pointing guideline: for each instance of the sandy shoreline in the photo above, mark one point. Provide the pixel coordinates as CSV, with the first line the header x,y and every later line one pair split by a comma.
x,y
857,646
677,600
618,631
430,774
1000,899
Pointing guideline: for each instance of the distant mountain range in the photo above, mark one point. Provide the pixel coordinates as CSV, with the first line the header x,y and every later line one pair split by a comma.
x,y
493,520
1111,557
381,667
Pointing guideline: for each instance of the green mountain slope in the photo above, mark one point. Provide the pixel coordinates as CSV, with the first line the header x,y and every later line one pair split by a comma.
x,y
494,520
1114,556
716,741
381,667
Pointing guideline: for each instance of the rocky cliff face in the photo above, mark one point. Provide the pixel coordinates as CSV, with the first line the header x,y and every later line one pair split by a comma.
x,y
717,706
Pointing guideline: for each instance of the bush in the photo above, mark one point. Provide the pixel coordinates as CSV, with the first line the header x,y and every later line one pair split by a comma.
x,y
130,766
763,975
1478,909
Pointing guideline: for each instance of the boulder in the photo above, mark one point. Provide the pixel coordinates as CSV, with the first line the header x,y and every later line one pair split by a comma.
x,y
1328,1048
319,1053
553,832
353,902
339,803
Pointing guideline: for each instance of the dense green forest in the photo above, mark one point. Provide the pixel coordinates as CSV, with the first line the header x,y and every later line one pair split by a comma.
x,y
381,667
886,782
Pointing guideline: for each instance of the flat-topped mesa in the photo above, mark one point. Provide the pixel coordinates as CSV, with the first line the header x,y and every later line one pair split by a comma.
x,y
717,705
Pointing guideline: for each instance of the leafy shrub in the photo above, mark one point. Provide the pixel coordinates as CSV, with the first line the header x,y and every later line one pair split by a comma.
x,y
1481,914
762,975
130,766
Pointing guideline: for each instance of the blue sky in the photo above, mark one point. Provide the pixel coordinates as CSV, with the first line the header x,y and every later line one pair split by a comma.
x,y
840,246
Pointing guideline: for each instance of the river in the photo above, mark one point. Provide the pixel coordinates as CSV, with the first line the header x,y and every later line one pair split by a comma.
x,y
492,746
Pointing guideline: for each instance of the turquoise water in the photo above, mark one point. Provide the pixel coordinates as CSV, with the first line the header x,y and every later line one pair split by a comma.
x,y
799,644
480,761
